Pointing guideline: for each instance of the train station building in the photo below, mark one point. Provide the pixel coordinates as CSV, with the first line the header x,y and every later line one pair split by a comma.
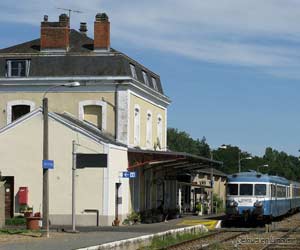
x,y
118,109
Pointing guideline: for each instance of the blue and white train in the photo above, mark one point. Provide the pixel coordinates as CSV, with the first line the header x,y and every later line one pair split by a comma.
x,y
260,196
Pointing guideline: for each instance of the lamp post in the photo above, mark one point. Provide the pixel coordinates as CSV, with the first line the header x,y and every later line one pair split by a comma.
x,y
241,159
265,166
46,155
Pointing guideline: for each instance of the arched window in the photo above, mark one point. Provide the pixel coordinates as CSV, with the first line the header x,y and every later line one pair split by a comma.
x,y
18,108
137,125
149,130
94,112
159,130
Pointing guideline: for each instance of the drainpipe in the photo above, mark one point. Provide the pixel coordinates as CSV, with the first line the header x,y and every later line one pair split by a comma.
x,y
116,111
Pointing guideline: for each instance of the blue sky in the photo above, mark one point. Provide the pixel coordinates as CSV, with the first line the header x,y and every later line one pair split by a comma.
x,y
231,67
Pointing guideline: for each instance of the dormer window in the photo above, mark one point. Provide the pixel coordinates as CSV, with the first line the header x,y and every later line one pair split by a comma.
x,y
133,71
18,68
146,81
154,83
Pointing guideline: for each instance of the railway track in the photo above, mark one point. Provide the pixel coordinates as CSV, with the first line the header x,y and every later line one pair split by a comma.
x,y
206,241
282,235
289,240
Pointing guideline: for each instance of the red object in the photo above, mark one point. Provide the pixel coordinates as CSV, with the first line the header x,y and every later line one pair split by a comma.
x,y
23,195
32,223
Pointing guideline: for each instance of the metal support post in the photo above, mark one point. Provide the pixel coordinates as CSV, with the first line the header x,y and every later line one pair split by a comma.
x,y
45,171
212,191
239,159
117,221
73,186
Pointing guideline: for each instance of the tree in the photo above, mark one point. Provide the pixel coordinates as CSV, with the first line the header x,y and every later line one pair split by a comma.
x,y
181,141
279,163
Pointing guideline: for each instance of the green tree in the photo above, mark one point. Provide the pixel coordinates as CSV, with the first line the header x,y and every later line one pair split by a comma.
x,y
181,141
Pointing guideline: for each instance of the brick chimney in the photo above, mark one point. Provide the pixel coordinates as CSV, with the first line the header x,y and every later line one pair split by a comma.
x,y
102,33
55,35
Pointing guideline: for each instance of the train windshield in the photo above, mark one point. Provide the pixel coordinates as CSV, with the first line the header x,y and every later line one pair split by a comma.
x,y
232,189
260,189
246,189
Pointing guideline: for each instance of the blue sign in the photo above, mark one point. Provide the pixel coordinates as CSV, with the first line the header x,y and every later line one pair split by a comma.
x,y
128,174
48,164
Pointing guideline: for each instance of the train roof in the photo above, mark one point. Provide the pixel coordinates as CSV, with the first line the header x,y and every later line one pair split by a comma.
x,y
253,176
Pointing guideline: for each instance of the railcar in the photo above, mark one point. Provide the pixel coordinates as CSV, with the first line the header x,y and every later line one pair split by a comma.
x,y
257,196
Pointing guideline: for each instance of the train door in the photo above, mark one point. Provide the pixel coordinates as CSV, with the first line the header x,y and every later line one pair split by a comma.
x,y
273,201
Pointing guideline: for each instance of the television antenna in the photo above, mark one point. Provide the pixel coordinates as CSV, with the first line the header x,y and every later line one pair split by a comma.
x,y
70,10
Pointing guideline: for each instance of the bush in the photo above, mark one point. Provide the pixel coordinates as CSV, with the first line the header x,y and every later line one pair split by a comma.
x,y
219,203
16,221
132,218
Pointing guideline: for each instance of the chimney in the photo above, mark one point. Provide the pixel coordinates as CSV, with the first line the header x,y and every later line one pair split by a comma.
x,y
83,28
101,33
55,35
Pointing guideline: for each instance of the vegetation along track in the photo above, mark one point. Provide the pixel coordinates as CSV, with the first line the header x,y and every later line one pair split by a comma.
x,y
205,241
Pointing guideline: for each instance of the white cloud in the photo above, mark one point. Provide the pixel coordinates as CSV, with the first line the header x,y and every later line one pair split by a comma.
x,y
262,34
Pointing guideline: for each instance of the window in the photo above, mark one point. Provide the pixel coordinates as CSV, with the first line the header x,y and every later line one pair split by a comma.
x,y
154,83
137,121
159,131
281,191
260,189
146,81
149,130
246,189
18,108
18,111
18,68
94,112
133,71
232,189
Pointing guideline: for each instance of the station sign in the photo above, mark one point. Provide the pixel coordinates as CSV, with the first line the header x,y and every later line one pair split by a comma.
x,y
128,174
91,160
48,164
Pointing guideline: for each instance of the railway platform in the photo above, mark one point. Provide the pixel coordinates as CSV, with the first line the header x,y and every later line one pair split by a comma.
x,y
91,236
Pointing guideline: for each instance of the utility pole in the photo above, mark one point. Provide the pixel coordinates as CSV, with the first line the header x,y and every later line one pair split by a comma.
x,y
212,186
45,171
239,159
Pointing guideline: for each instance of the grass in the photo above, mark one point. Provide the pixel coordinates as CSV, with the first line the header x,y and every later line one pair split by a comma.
x,y
163,242
24,232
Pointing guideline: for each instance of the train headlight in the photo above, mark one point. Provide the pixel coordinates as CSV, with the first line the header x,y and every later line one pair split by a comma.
x,y
258,204
233,204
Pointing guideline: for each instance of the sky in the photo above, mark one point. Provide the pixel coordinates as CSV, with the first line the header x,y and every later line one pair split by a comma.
x,y
230,67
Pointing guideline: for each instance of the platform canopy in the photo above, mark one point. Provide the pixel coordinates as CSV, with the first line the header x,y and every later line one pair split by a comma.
x,y
170,161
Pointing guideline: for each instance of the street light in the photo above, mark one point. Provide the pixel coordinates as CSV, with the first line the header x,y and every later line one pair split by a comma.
x,y
46,155
265,166
241,159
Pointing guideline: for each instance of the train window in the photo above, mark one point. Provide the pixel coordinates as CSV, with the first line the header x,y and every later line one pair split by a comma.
x,y
281,191
260,189
246,189
232,189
